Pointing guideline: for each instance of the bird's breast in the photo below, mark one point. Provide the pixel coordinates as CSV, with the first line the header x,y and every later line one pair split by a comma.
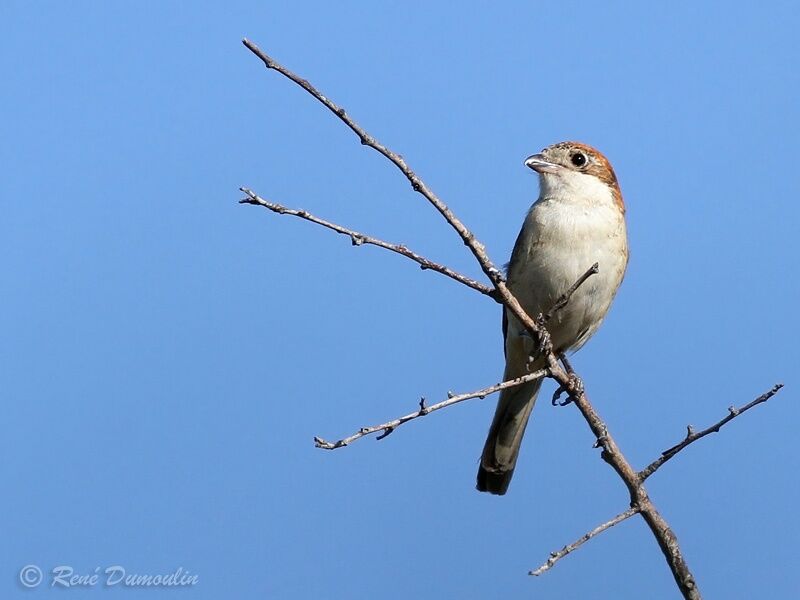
x,y
559,242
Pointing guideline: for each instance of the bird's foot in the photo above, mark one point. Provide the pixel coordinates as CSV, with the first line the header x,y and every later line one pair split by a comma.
x,y
545,343
574,387
536,348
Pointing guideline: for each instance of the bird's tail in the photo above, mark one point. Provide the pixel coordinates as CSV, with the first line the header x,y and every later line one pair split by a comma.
x,y
505,436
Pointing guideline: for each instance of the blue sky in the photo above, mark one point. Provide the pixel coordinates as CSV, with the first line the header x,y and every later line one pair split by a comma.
x,y
167,355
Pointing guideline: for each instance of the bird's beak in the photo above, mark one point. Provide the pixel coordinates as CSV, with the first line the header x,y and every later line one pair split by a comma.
x,y
540,164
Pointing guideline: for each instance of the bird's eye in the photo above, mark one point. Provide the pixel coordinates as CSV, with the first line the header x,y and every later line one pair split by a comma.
x,y
578,159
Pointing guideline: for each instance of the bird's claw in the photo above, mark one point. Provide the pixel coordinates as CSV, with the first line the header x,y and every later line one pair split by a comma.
x,y
574,387
557,395
544,343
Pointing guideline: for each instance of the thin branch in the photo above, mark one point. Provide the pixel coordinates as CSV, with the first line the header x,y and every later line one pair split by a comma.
x,y
564,299
503,294
662,532
556,556
359,239
390,426
692,436
478,250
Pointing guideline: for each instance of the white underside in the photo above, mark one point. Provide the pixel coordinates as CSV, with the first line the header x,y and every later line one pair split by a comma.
x,y
574,224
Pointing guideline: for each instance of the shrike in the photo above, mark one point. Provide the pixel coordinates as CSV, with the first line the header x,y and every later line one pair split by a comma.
x,y
579,219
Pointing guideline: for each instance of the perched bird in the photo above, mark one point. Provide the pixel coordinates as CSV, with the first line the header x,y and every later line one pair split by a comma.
x,y
579,219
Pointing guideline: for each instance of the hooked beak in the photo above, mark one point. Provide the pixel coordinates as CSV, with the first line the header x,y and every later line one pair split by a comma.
x,y
538,163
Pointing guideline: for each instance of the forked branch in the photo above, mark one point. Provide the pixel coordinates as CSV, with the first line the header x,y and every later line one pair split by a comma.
x,y
417,184
649,470
568,381
692,436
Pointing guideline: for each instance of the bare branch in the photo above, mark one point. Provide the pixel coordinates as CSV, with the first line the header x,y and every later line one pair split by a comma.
x,y
359,239
568,380
388,427
556,556
564,299
666,538
478,250
502,293
692,436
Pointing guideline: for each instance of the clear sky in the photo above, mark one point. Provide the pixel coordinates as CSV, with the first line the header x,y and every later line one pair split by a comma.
x,y
167,355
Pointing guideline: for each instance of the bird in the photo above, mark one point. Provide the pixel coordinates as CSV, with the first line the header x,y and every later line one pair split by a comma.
x,y
578,220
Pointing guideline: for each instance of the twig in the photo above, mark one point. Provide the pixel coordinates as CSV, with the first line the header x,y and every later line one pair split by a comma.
x,y
692,436
556,556
503,294
478,250
390,426
666,538
359,239
564,299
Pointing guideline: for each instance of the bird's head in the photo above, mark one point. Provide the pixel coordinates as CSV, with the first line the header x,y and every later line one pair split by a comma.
x,y
572,170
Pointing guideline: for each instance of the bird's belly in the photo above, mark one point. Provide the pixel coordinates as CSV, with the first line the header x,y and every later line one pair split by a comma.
x,y
549,272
